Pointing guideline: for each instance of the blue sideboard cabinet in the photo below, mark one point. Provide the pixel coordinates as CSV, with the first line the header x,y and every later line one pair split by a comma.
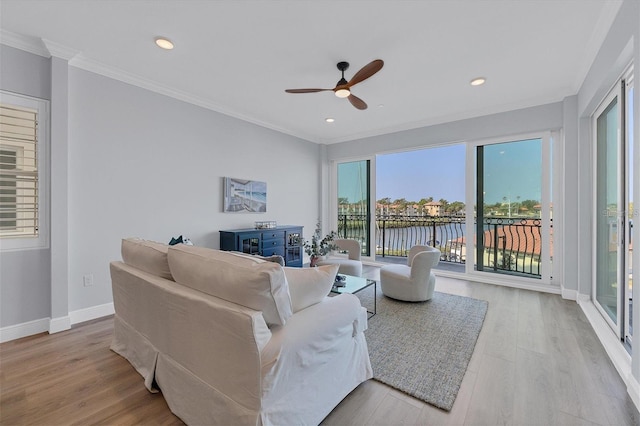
x,y
285,241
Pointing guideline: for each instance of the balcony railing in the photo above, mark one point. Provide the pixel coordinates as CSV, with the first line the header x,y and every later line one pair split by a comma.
x,y
511,245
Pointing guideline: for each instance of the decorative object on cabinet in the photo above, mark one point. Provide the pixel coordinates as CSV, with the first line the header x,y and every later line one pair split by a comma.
x,y
318,246
266,224
242,195
285,241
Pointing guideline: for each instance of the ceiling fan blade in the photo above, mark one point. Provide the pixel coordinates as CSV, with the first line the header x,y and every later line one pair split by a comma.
x,y
357,102
367,71
306,90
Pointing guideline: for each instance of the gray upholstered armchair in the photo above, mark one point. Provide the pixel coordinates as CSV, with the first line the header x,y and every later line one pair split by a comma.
x,y
349,264
415,281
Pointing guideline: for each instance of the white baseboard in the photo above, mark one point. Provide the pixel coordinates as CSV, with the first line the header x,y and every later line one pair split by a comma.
x,y
54,325
583,298
25,329
59,324
569,294
88,314
617,354
633,389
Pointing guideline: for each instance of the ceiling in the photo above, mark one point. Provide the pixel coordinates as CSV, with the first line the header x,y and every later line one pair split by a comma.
x,y
238,57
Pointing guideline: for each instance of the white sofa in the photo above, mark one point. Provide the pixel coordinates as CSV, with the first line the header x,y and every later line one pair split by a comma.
x,y
234,340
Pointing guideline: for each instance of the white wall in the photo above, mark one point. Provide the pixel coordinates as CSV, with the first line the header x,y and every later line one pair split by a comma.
x,y
142,164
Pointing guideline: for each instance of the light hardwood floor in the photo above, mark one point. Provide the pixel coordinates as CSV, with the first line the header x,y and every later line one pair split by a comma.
x,y
537,362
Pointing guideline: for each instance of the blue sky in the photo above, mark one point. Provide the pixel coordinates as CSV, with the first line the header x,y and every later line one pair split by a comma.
x,y
512,170
434,172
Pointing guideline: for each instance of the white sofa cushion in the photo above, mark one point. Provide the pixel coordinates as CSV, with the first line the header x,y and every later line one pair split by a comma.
x,y
308,286
248,282
148,256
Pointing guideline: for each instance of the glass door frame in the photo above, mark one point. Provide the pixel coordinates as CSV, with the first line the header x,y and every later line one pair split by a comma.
x,y
333,202
545,215
616,93
628,90
619,91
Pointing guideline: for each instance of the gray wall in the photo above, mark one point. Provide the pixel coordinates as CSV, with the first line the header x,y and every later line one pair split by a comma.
x,y
543,117
142,164
25,275
25,73
619,49
146,165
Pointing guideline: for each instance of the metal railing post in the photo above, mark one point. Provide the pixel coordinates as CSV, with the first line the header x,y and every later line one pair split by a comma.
x,y
495,246
384,224
433,239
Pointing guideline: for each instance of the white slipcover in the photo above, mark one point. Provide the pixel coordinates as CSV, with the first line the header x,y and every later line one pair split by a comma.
x,y
348,263
218,362
413,282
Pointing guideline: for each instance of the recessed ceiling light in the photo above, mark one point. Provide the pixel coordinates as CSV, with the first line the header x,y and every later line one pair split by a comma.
x,y
329,120
478,81
380,105
164,43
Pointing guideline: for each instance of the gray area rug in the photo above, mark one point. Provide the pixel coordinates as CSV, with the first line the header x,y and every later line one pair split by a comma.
x,y
423,348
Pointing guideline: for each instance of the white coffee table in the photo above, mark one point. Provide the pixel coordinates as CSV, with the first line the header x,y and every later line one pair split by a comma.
x,y
353,285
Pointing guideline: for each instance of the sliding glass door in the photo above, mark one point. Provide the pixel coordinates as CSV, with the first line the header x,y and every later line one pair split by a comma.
x,y
512,209
613,127
608,204
354,202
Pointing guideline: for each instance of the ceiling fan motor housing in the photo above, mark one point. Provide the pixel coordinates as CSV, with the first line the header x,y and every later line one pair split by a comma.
x,y
343,66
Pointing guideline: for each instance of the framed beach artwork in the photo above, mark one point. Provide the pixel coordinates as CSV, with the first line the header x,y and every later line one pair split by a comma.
x,y
244,196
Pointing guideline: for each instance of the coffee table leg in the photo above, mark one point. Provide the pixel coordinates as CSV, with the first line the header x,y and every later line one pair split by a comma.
x,y
375,299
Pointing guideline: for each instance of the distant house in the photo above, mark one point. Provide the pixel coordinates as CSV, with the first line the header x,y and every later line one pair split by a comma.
x,y
434,208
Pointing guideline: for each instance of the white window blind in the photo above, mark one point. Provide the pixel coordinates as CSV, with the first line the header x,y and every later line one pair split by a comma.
x,y
18,171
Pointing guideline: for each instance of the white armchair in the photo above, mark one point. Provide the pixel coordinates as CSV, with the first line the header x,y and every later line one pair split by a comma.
x,y
349,264
413,282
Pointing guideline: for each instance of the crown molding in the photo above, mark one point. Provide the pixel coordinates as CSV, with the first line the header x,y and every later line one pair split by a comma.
x,y
48,48
610,10
28,44
445,119
59,50
135,80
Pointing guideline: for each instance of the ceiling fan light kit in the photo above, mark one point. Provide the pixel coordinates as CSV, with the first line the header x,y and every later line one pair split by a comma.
x,y
343,87
164,43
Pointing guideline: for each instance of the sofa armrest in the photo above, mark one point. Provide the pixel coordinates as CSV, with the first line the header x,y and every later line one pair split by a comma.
x,y
321,327
333,313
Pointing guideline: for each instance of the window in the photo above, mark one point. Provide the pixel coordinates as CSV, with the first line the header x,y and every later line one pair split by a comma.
x,y
22,210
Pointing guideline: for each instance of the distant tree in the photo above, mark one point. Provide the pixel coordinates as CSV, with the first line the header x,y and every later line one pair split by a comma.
x,y
455,207
401,205
423,203
386,201
529,204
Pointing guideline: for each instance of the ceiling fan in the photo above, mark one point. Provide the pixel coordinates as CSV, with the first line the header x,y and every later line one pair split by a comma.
x,y
343,87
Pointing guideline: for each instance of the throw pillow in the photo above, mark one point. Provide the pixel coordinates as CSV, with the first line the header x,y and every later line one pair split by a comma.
x,y
244,280
308,286
148,256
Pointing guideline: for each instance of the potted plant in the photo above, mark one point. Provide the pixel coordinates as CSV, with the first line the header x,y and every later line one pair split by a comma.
x,y
319,247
